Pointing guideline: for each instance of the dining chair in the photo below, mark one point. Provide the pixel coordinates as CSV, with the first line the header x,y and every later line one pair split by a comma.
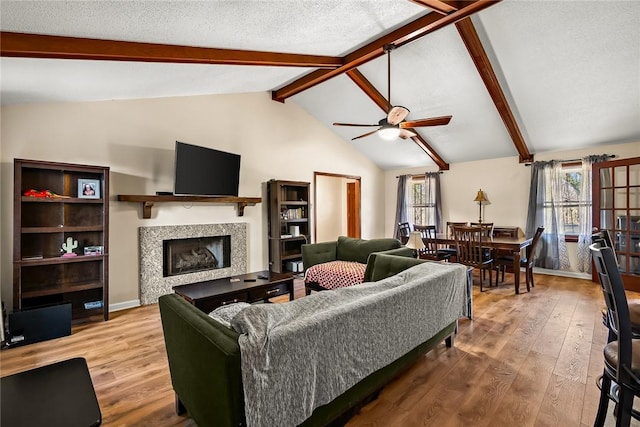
x,y
487,233
405,230
451,249
470,253
430,251
621,355
505,261
604,239
487,228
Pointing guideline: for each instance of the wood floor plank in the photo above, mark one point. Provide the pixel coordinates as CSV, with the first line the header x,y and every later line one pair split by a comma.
x,y
562,404
525,360
522,401
573,359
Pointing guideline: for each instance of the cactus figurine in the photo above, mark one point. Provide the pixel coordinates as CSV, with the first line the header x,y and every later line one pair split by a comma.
x,y
69,246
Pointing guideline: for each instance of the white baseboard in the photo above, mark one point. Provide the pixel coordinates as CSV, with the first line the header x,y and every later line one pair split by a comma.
x,y
563,273
124,305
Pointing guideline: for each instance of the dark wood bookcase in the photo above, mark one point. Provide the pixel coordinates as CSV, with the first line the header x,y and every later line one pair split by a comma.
x,y
288,206
41,276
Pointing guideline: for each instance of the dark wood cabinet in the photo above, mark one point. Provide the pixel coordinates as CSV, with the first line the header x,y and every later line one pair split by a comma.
x,y
289,226
44,222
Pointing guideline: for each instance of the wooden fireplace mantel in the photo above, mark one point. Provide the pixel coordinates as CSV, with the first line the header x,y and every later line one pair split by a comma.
x,y
148,201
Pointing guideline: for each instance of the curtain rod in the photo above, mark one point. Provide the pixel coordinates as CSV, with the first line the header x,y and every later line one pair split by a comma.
x,y
420,174
609,156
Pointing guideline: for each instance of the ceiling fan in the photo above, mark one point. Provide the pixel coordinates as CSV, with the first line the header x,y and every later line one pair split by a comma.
x,y
394,125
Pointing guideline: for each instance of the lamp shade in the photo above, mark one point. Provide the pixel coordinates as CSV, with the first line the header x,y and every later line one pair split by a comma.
x,y
481,197
415,241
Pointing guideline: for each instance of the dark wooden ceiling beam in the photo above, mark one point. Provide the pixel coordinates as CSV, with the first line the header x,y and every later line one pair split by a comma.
x,y
367,87
403,35
481,60
422,143
44,46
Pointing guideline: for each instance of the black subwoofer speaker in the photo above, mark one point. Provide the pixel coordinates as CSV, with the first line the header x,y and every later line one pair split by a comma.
x,y
39,324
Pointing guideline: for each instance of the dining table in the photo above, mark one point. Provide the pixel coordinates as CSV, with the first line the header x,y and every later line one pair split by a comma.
x,y
513,245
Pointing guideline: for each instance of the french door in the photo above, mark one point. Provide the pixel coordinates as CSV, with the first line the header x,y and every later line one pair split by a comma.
x,y
616,208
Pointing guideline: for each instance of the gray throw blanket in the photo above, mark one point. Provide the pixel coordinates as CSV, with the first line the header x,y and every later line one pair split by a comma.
x,y
301,355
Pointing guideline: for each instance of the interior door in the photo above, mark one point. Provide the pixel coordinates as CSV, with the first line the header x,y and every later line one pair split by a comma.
x,y
616,208
353,209
337,204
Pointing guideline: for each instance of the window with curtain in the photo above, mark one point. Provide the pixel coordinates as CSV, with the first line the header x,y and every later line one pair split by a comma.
x,y
424,200
571,200
560,200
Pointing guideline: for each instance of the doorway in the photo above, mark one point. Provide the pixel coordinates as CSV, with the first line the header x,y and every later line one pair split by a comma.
x,y
336,206
616,208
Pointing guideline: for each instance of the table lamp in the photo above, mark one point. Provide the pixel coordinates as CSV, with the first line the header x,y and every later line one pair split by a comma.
x,y
415,242
481,198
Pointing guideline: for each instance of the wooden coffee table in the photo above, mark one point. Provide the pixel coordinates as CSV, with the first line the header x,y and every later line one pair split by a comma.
x,y
249,287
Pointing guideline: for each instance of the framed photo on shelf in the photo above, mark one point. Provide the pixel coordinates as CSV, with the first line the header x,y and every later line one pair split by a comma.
x,y
89,188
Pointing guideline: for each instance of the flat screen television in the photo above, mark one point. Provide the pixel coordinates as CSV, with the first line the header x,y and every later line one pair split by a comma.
x,y
202,171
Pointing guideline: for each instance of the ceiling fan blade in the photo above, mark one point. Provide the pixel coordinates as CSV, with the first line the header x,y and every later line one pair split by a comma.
x,y
365,134
406,133
397,114
434,121
354,124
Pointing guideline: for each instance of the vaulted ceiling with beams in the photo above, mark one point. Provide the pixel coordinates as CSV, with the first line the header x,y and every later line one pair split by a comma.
x,y
516,77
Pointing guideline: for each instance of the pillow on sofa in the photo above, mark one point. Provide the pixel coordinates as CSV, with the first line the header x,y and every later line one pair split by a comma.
x,y
225,313
358,250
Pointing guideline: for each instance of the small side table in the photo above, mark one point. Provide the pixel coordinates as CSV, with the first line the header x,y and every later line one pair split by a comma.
x,y
56,395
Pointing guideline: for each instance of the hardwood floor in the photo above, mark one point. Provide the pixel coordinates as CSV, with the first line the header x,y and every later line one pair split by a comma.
x,y
525,360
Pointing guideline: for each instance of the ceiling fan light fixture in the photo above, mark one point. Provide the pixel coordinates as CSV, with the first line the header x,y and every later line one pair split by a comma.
x,y
389,133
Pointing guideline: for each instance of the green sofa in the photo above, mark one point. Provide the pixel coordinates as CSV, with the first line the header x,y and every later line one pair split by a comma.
x,y
348,249
205,361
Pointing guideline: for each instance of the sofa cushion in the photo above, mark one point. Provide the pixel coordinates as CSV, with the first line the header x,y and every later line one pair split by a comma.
x,y
336,274
383,265
358,250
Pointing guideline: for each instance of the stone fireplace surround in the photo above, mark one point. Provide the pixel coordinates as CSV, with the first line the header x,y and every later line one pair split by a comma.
x,y
152,282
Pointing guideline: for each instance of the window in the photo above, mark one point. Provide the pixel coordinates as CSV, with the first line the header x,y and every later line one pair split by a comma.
x,y
422,201
570,188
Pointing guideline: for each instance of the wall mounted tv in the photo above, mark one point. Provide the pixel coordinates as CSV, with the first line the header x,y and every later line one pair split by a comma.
x,y
201,171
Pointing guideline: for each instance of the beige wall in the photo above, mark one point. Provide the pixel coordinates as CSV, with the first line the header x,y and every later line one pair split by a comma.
x,y
505,181
136,139
330,208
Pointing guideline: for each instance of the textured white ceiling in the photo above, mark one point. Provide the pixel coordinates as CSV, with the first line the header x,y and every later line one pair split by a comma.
x,y
570,70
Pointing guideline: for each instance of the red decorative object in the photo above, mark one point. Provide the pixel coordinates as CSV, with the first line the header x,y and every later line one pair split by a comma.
x,y
42,194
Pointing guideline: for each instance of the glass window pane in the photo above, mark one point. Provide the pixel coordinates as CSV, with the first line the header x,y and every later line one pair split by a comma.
x,y
621,198
634,174
606,220
634,197
622,263
634,265
606,198
605,177
621,220
621,176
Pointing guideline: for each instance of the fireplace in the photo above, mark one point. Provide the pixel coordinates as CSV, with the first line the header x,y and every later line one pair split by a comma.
x,y
154,281
183,256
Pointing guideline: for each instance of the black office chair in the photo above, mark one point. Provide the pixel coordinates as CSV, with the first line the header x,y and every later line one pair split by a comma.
x,y
621,356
